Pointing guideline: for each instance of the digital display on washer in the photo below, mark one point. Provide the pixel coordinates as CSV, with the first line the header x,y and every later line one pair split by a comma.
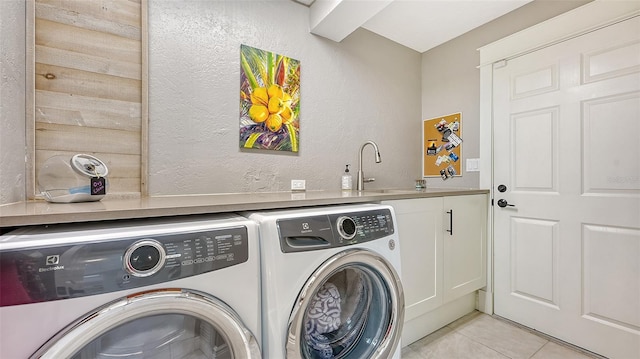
x,y
334,230
76,270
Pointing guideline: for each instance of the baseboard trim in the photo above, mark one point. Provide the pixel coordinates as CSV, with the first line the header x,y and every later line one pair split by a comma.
x,y
485,302
419,327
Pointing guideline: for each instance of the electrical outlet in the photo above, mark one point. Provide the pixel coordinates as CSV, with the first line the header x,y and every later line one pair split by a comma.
x,y
298,185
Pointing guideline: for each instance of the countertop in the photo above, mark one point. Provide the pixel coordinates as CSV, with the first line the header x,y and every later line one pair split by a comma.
x,y
41,212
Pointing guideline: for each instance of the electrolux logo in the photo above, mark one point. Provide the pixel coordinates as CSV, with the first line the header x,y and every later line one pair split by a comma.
x,y
53,263
53,260
306,228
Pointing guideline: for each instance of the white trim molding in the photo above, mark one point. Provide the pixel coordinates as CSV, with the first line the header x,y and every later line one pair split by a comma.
x,y
581,20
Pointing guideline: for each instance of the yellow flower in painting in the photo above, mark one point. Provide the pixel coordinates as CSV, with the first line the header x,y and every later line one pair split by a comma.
x,y
274,122
275,105
258,113
275,91
259,96
287,115
272,105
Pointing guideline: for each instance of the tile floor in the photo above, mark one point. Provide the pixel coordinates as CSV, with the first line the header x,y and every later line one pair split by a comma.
x,y
481,336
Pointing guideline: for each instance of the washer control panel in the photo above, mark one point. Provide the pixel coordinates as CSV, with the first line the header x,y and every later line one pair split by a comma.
x,y
71,270
334,230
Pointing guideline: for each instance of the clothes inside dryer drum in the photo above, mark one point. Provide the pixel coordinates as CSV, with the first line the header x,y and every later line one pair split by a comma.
x,y
345,316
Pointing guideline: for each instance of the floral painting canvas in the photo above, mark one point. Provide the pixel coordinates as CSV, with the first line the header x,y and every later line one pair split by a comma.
x,y
269,100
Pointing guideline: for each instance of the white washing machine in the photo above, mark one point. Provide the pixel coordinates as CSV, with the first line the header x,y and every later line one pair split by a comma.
x,y
331,282
173,288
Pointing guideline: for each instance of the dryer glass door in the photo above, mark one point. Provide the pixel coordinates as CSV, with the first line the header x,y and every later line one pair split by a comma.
x,y
351,307
157,324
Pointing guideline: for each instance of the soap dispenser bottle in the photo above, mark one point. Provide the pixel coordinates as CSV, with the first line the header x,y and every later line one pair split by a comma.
x,y
347,179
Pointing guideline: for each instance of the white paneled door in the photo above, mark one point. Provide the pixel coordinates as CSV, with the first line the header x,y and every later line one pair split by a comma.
x,y
567,218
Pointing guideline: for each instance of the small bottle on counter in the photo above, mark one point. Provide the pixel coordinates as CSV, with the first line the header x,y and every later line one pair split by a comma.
x,y
347,179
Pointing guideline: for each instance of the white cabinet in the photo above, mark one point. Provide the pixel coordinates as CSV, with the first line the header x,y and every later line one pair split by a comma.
x,y
443,246
419,223
464,245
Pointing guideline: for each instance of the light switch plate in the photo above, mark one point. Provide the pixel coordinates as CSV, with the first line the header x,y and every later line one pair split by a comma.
x,y
473,165
298,185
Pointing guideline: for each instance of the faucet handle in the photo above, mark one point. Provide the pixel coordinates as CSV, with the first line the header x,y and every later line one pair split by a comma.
x,y
369,179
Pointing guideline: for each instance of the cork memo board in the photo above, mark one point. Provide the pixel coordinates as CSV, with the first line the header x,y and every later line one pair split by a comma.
x,y
442,146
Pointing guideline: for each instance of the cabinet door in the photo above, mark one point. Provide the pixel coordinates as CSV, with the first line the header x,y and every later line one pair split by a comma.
x,y
419,225
465,249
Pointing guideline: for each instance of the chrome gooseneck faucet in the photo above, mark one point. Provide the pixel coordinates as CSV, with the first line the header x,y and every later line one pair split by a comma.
x,y
361,179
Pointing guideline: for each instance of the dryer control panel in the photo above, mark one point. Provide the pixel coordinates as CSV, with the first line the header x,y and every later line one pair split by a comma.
x,y
334,230
82,268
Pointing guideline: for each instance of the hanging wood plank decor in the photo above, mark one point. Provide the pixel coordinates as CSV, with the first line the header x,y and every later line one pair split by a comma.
x,y
88,86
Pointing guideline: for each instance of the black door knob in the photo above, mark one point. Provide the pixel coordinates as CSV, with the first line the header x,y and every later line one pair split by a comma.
x,y
503,203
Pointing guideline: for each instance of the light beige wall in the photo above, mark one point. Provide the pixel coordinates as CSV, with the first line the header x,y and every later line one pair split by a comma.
x,y
12,101
364,88
451,80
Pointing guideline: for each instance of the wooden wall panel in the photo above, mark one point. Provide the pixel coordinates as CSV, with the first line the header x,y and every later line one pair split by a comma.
x,y
85,83
89,78
83,41
79,61
126,179
81,138
109,16
69,109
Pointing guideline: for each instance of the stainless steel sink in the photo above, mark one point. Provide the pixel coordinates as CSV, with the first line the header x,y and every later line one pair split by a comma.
x,y
392,190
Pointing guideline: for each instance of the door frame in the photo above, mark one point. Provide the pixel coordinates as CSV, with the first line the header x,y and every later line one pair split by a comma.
x,y
579,21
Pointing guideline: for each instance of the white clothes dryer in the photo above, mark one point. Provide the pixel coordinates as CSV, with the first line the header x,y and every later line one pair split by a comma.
x,y
331,282
185,287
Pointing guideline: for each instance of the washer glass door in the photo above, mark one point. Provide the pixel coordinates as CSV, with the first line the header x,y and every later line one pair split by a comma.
x,y
159,336
158,324
351,307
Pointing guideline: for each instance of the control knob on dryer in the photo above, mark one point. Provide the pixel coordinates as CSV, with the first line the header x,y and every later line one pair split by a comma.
x,y
346,227
144,258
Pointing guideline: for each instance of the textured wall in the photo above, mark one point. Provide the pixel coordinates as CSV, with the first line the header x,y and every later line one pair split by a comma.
x,y
12,101
366,87
363,88
451,79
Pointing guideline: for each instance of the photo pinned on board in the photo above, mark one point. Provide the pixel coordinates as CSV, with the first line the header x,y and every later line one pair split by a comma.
x,y
448,172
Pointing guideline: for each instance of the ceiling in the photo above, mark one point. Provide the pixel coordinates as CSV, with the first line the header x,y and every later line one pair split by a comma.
x,y
418,24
